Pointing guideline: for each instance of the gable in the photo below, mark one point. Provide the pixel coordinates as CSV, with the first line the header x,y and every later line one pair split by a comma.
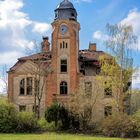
x,y
27,67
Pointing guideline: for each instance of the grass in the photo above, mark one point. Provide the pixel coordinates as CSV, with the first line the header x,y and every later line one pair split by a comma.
x,y
51,136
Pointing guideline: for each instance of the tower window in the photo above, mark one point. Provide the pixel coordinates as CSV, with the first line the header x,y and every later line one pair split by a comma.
x,y
72,14
63,66
66,45
63,44
22,87
107,111
60,45
63,88
29,86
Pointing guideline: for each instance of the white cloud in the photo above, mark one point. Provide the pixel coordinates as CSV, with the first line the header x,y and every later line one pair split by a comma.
x,y
14,26
41,27
100,36
136,79
10,57
133,19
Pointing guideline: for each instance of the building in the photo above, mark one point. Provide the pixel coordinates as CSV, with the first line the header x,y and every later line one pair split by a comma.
x,y
70,67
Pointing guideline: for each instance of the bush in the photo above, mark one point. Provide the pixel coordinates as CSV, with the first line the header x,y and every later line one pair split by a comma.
x,y
26,122
7,118
59,114
46,126
120,125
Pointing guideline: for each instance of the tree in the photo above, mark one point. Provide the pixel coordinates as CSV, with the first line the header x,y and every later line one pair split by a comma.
x,y
4,78
40,73
83,102
118,69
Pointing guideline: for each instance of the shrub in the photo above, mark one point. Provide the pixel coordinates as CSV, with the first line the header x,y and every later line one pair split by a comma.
x,y
26,122
7,118
120,125
59,114
46,126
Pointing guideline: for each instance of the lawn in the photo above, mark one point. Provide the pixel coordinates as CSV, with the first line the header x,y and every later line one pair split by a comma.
x,y
50,136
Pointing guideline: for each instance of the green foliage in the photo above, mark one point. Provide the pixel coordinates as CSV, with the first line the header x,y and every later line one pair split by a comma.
x,y
7,118
120,125
26,122
61,116
46,126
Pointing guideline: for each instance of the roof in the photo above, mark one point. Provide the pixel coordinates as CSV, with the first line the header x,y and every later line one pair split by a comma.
x,y
41,55
66,4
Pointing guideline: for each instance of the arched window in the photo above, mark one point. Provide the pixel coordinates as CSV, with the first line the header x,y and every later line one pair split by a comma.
x,y
63,88
22,87
29,86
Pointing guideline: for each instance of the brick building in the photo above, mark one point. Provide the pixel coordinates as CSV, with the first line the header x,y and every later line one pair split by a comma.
x,y
70,66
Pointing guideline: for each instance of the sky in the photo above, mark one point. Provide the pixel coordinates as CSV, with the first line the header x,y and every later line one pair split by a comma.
x,y
24,22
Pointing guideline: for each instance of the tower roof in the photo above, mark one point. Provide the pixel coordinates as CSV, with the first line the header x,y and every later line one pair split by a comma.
x,y
66,4
65,10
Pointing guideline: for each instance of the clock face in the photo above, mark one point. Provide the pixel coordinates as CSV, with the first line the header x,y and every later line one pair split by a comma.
x,y
63,29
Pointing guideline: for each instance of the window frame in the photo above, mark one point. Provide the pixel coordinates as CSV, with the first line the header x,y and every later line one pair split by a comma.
x,y
63,88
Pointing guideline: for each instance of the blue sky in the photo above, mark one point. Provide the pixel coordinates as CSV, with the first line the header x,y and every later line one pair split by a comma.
x,y
24,22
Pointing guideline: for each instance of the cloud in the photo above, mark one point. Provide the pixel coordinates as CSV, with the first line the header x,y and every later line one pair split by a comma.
x,y
2,86
41,27
136,79
15,25
133,19
100,36
10,57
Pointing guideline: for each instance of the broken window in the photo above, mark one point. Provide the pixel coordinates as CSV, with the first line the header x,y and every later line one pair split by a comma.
x,y
108,89
63,88
29,86
22,87
22,108
107,111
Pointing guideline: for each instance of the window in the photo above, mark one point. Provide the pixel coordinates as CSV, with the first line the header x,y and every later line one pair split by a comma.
x,y
60,45
26,86
107,111
22,108
63,88
72,14
35,109
88,88
108,89
29,86
22,87
63,66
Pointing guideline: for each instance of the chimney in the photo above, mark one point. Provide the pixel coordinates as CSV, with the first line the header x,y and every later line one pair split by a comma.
x,y
45,44
92,47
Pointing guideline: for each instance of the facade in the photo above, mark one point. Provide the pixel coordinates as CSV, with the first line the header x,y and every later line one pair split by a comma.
x,y
70,67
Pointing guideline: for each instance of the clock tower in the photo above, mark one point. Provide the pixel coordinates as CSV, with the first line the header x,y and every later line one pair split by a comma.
x,y
65,50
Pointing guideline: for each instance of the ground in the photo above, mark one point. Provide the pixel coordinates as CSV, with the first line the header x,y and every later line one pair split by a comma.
x,y
51,136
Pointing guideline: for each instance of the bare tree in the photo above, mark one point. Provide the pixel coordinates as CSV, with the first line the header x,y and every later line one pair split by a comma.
x,y
118,69
82,102
4,78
